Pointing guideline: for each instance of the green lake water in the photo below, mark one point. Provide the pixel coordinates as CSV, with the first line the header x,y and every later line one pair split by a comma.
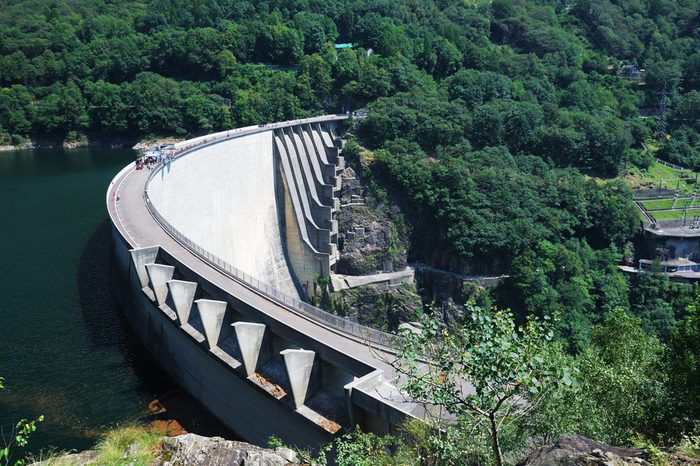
x,y
65,350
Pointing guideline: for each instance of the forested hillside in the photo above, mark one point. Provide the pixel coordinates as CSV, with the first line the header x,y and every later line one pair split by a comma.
x,y
500,129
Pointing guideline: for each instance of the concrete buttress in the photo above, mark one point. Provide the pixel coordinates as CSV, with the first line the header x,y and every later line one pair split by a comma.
x,y
250,337
212,314
159,274
299,364
182,294
140,257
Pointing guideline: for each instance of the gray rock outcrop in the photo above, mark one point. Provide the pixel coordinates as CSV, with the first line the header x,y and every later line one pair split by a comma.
x,y
370,241
195,450
575,450
372,234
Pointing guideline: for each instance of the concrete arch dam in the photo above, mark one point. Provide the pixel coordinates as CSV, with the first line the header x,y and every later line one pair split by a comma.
x,y
214,252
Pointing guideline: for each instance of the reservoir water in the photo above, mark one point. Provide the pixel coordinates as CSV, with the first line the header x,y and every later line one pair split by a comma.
x,y
65,350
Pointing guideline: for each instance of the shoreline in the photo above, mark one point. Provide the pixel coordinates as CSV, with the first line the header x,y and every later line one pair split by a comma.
x,y
114,143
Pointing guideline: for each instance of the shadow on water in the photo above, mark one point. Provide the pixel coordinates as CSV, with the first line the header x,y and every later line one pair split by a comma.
x,y
171,407
105,323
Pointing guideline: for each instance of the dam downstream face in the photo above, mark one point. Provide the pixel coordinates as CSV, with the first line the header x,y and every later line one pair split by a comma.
x,y
65,350
223,197
260,199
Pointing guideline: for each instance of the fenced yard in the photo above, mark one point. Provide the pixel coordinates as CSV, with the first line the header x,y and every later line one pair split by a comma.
x,y
665,192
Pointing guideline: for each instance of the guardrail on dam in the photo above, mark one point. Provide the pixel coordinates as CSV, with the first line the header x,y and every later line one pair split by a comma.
x,y
212,253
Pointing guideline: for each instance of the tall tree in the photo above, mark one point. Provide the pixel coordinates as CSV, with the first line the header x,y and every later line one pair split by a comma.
x,y
482,371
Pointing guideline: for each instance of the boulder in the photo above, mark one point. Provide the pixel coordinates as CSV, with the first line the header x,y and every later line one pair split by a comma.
x,y
575,450
195,450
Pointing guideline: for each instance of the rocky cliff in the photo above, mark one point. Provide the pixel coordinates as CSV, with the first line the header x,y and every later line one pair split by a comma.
x,y
372,236
377,306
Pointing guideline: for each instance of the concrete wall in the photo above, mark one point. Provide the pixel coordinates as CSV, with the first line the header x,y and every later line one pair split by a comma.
x,y
262,202
332,384
308,197
306,262
678,247
222,197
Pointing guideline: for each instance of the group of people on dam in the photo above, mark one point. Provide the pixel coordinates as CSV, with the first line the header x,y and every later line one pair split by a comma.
x,y
153,155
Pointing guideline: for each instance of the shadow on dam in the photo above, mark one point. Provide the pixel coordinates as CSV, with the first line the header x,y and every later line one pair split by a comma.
x,y
171,407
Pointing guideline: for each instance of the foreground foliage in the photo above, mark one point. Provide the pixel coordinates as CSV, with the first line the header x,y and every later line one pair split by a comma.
x,y
15,440
620,391
134,445
481,372
144,444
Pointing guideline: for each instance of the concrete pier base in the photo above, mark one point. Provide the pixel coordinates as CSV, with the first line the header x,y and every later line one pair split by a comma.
x,y
250,337
299,364
212,314
140,257
159,275
182,294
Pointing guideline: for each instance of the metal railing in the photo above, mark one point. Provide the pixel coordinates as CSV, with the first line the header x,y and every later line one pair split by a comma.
x,y
336,322
671,165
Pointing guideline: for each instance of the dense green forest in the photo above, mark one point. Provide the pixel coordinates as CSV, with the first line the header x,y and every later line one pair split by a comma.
x,y
500,129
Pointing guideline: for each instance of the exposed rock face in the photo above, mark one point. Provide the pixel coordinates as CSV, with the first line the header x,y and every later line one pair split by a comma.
x,y
370,241
195,450
575,450
377,307
352,190
372,234
372,238
83,458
